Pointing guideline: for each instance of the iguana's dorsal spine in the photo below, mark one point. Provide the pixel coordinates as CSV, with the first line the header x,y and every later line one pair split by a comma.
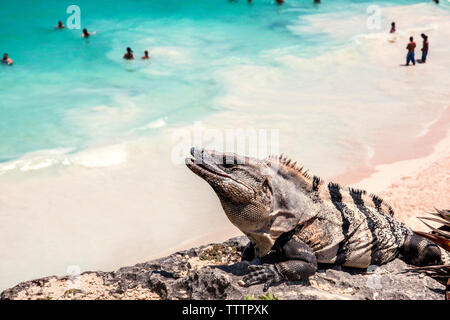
x,y
316,188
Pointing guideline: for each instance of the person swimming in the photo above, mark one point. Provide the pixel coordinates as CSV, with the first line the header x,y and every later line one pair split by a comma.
x,y
60,25
7,60
86,34
392,28
279,2
410,47
129,54
145,57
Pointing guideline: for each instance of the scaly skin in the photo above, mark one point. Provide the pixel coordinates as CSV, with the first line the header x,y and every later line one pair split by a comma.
x,y
295,220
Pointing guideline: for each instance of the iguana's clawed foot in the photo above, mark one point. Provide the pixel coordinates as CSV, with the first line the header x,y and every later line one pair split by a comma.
x,y
265,273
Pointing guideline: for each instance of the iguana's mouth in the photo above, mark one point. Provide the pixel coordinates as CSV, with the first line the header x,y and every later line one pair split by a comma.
x,y
205,166
205,170
202,162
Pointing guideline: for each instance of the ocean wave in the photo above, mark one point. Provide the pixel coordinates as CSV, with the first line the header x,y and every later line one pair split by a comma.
x,y
107,156
172,54
159,123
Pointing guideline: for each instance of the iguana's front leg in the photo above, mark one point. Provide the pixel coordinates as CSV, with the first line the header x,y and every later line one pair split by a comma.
x,y
249,252
298,262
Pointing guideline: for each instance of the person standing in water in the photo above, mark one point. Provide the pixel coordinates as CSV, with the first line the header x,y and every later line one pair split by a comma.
x,y
424,48
60,25
7,60
392,28
129,54
145,57
410,47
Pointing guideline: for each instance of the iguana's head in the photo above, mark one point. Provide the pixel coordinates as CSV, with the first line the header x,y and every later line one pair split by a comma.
x,y
258,198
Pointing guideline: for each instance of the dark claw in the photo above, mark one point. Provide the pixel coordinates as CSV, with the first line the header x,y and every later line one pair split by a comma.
x,y
265,273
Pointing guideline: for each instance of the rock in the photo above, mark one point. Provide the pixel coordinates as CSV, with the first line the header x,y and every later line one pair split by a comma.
x,y
201,273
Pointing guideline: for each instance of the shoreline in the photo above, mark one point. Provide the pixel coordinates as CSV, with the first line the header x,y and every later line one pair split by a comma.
x,y
414,185
423,146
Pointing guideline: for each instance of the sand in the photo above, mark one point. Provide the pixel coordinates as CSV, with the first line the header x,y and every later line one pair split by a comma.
x,y
415,186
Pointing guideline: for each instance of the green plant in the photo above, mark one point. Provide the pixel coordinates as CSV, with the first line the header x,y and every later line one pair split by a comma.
x,y
267,296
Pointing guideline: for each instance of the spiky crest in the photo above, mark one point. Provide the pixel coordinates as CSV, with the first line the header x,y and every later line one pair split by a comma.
x,y
313,183
290,164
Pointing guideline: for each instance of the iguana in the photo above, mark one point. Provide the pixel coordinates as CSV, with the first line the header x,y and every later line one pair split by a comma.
x,y
295,221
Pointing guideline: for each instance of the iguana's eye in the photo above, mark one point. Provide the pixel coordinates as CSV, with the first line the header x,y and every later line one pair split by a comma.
x,y
266,187
228,164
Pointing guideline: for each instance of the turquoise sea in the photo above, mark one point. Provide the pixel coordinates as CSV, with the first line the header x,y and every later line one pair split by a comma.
x,y
64,92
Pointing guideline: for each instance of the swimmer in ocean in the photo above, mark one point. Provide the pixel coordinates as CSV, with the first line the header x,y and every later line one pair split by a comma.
x,y
145,57
60,25
7,60
86,34
129,54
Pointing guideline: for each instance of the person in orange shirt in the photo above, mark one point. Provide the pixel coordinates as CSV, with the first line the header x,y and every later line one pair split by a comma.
x,y
410,47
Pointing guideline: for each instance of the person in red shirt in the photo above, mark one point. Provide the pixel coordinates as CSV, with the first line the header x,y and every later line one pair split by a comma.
x,y
410,47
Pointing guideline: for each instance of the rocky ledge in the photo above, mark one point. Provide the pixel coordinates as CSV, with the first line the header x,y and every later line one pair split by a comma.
x,y
213,272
